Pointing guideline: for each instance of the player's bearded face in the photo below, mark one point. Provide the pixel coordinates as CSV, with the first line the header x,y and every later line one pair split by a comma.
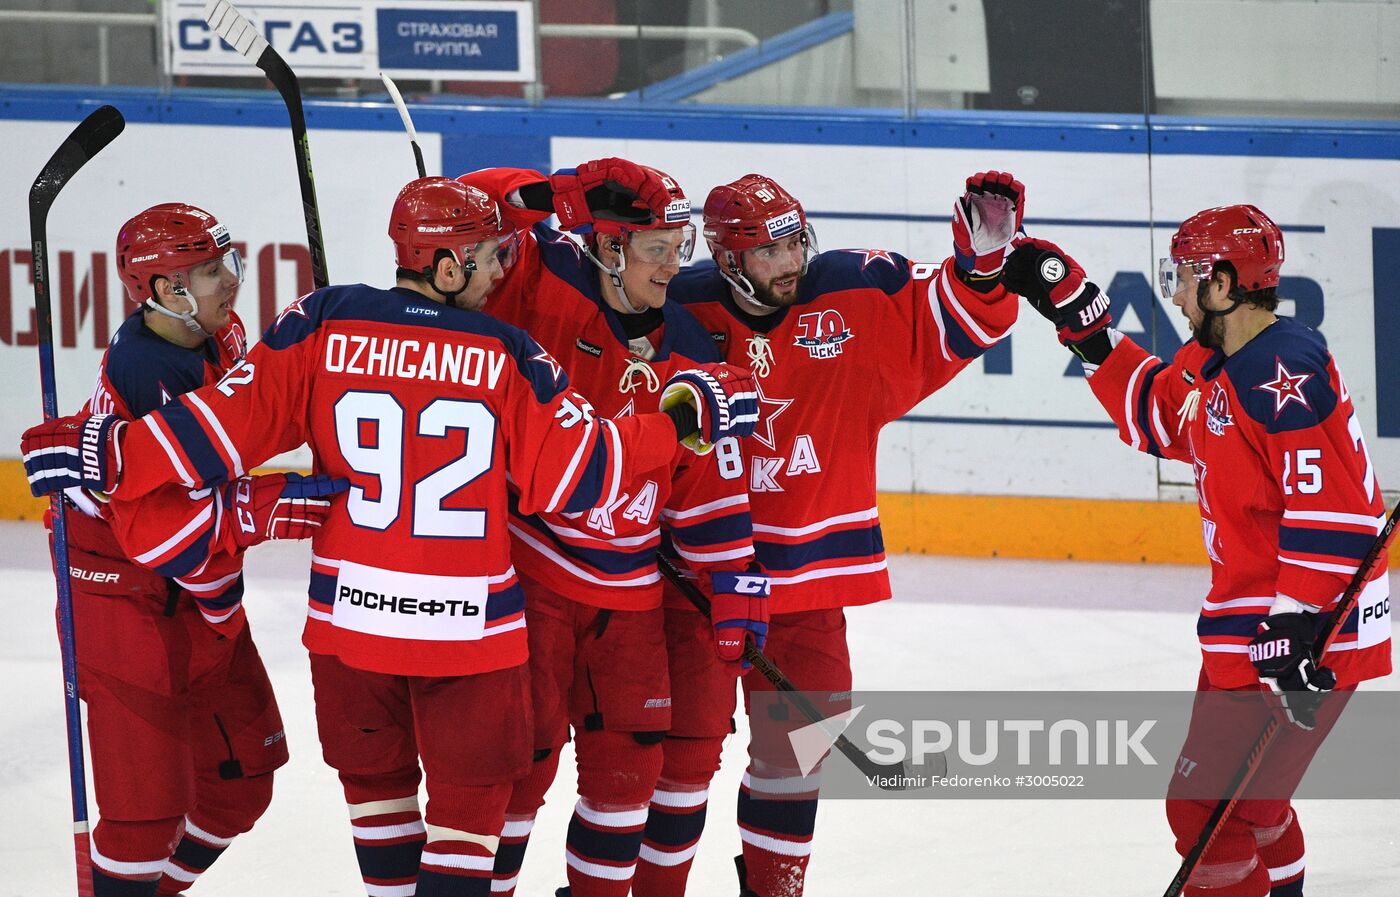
x,y
775,270
653,258
1192,297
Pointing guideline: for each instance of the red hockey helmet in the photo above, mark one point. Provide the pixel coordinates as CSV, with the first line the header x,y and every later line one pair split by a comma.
x,y
167,240
750,212
675,217
441,213
1241,235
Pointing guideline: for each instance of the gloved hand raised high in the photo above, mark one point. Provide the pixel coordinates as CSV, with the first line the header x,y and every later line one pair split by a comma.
x,y
985,220
608,192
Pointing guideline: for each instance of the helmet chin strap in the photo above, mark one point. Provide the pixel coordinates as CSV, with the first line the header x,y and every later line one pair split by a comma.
x,y
615,275
1209,316
450,296
186,316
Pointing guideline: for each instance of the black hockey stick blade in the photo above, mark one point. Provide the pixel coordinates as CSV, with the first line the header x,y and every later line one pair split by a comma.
x,y
93,133
243,36
886,776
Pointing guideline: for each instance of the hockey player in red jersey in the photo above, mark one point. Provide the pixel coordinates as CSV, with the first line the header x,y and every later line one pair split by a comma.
x,y
840,344
1289,505
593,591
184,728
415,616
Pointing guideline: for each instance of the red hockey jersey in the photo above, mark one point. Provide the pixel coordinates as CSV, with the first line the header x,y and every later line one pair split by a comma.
x,y
606,557
426,409
870,335
1288,498
179,533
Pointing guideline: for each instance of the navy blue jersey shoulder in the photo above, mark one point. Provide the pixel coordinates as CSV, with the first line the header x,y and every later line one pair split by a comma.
x,y
403,307
566,261
147,371
687,336
853,269
1282,377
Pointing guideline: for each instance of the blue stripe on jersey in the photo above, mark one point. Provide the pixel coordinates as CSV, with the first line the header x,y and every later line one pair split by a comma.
x,y
589,490
1349,627
226,599
359,302
853,543
1144,409
609,561
190,558
562,257
851,269
209,466
505,602
1285,356
962,345
604,845
1322,541
322,589
1238,625
713,532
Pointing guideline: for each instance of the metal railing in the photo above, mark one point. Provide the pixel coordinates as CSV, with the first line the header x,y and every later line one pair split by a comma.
x,y
105,21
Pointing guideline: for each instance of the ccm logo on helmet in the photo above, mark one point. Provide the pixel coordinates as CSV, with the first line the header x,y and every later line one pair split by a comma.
x,y
1247,230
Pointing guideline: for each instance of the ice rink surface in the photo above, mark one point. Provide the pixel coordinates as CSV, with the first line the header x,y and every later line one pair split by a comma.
x,y
955,624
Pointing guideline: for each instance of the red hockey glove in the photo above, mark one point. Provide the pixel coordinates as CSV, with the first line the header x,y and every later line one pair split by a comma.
x,y
81,450
1055,286
280,505
739,612
985,220
1282,654
725,401
608,192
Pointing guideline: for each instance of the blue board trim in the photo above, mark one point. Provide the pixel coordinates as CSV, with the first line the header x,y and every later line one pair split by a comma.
x,y
456,117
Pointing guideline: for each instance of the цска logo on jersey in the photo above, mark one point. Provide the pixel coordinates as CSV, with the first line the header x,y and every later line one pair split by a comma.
x,y
1218,411
821,333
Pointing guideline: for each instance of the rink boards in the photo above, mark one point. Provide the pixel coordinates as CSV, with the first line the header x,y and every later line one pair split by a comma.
x,y
1002,455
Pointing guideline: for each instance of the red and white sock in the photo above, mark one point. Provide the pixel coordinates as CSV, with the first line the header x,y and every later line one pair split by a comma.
x,y
602,846
196,852
1282,852
389,837
675,822
777,816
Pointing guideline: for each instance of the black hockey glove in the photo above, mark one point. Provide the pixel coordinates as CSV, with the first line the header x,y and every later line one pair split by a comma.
x,y
1282,654
1054,285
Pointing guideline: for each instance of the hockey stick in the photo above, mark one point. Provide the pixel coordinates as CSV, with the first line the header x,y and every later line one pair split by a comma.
x,y
243,37
1246,772
397,97
891,777
93,133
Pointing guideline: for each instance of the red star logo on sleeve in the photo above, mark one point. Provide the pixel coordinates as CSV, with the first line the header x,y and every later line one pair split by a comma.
x,y
1286,387
292,309
874,255
546,359
768,410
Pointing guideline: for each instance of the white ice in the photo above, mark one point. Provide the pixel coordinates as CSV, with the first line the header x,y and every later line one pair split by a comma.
x,y
955,624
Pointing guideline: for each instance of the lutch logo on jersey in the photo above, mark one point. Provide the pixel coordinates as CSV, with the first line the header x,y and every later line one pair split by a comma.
x,y
821,333
1218,411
